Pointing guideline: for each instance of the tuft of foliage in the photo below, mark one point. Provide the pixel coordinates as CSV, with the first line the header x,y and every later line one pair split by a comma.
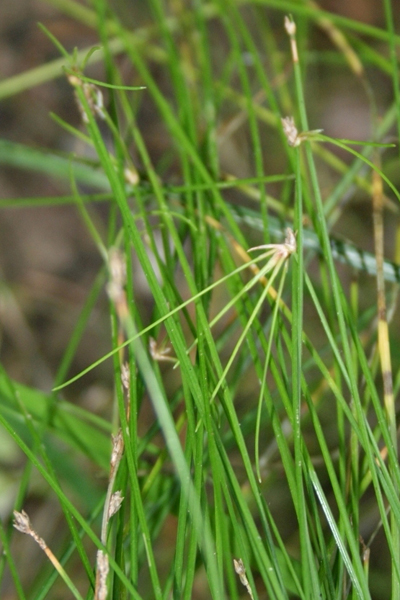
x,y
252,443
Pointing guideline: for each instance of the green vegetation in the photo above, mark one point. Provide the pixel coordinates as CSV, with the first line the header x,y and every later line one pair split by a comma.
x,y
253,436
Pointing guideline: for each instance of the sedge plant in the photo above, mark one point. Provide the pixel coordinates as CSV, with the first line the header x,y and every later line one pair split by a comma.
x,y
250,446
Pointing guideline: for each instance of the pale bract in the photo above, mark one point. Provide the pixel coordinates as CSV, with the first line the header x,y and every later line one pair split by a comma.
x,y
293,137
279,251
